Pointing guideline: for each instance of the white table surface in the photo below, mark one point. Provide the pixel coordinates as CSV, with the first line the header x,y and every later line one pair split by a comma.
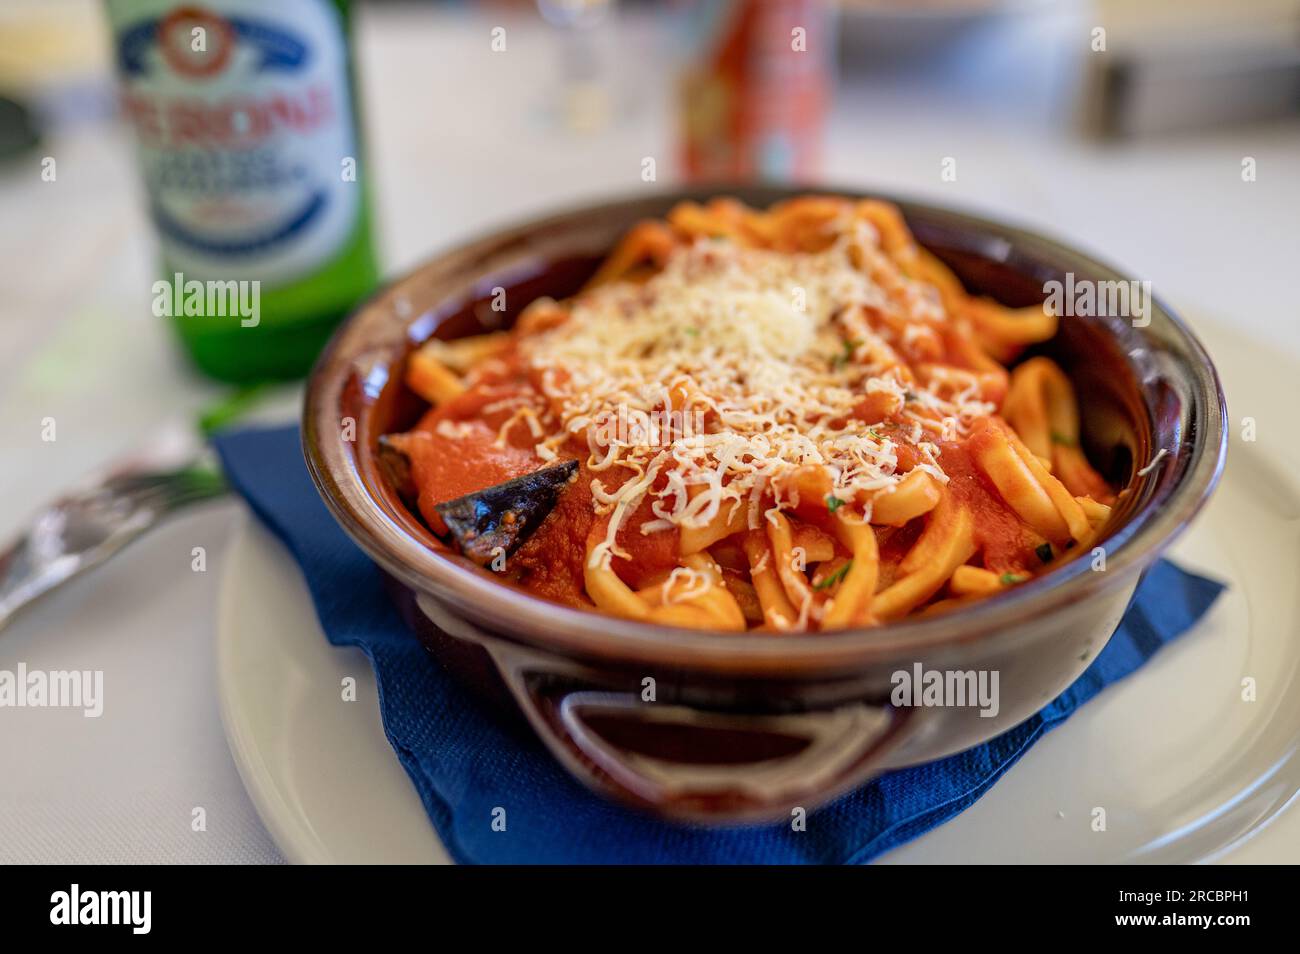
x,y
460,141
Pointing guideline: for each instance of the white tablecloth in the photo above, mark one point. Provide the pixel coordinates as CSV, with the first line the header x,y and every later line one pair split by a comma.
x,y
461,139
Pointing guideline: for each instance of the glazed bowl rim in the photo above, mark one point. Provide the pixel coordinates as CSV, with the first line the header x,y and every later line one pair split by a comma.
x,y
517,615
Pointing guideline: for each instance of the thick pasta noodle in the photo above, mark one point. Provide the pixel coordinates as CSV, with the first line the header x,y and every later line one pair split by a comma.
x,y
785,420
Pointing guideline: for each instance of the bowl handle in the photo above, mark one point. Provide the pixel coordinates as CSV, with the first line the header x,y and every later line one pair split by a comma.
x,y
684,762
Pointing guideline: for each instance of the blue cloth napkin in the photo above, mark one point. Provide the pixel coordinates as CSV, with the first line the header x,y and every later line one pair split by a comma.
x,y
465,764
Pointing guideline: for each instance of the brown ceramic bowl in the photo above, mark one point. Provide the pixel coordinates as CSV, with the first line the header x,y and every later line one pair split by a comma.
x,y
746,727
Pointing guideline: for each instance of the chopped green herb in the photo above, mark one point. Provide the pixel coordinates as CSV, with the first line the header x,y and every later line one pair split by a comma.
x,y
835,577
692,331
834,503
874,435
1059,438
1009,578
850,346
1044,551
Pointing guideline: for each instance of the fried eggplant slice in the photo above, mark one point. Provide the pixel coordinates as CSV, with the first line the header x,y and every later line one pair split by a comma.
x,y
395,466
498,519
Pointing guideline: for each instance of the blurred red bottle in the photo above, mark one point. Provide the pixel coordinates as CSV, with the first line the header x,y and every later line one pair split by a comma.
x,y
756,89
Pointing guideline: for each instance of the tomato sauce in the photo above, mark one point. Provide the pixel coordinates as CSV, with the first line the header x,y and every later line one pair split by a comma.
x,y
1006,543
465,445
465,455
459,448
551,561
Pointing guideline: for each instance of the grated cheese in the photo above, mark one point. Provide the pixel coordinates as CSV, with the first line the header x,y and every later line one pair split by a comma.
x,y
773,351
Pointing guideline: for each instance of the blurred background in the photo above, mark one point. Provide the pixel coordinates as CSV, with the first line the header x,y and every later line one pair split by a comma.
x,y
1161,135
1122,126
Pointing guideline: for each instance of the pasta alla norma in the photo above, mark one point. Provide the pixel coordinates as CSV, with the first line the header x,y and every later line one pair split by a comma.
x,y
785,420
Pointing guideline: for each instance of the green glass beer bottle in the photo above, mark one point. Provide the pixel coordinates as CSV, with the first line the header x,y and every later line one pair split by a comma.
x,y
245,115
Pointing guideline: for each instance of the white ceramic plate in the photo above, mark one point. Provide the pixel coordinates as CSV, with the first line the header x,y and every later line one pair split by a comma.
x,y
1184,769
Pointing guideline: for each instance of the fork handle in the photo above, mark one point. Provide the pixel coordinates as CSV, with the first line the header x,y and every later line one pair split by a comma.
x,y
26,574
42,558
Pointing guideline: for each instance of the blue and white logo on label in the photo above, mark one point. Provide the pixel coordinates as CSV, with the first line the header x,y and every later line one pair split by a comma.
x,y
245,129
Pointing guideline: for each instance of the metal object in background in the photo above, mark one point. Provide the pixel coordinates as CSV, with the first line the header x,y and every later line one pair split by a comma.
x,y
1193,64
86,527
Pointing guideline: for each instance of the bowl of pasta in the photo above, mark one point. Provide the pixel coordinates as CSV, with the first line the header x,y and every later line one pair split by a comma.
x,y
695,483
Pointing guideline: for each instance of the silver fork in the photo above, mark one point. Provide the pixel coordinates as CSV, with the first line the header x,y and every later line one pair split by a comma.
x,y
84,528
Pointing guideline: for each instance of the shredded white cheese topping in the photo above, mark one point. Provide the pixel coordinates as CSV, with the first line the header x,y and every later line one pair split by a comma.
x,y
764,355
